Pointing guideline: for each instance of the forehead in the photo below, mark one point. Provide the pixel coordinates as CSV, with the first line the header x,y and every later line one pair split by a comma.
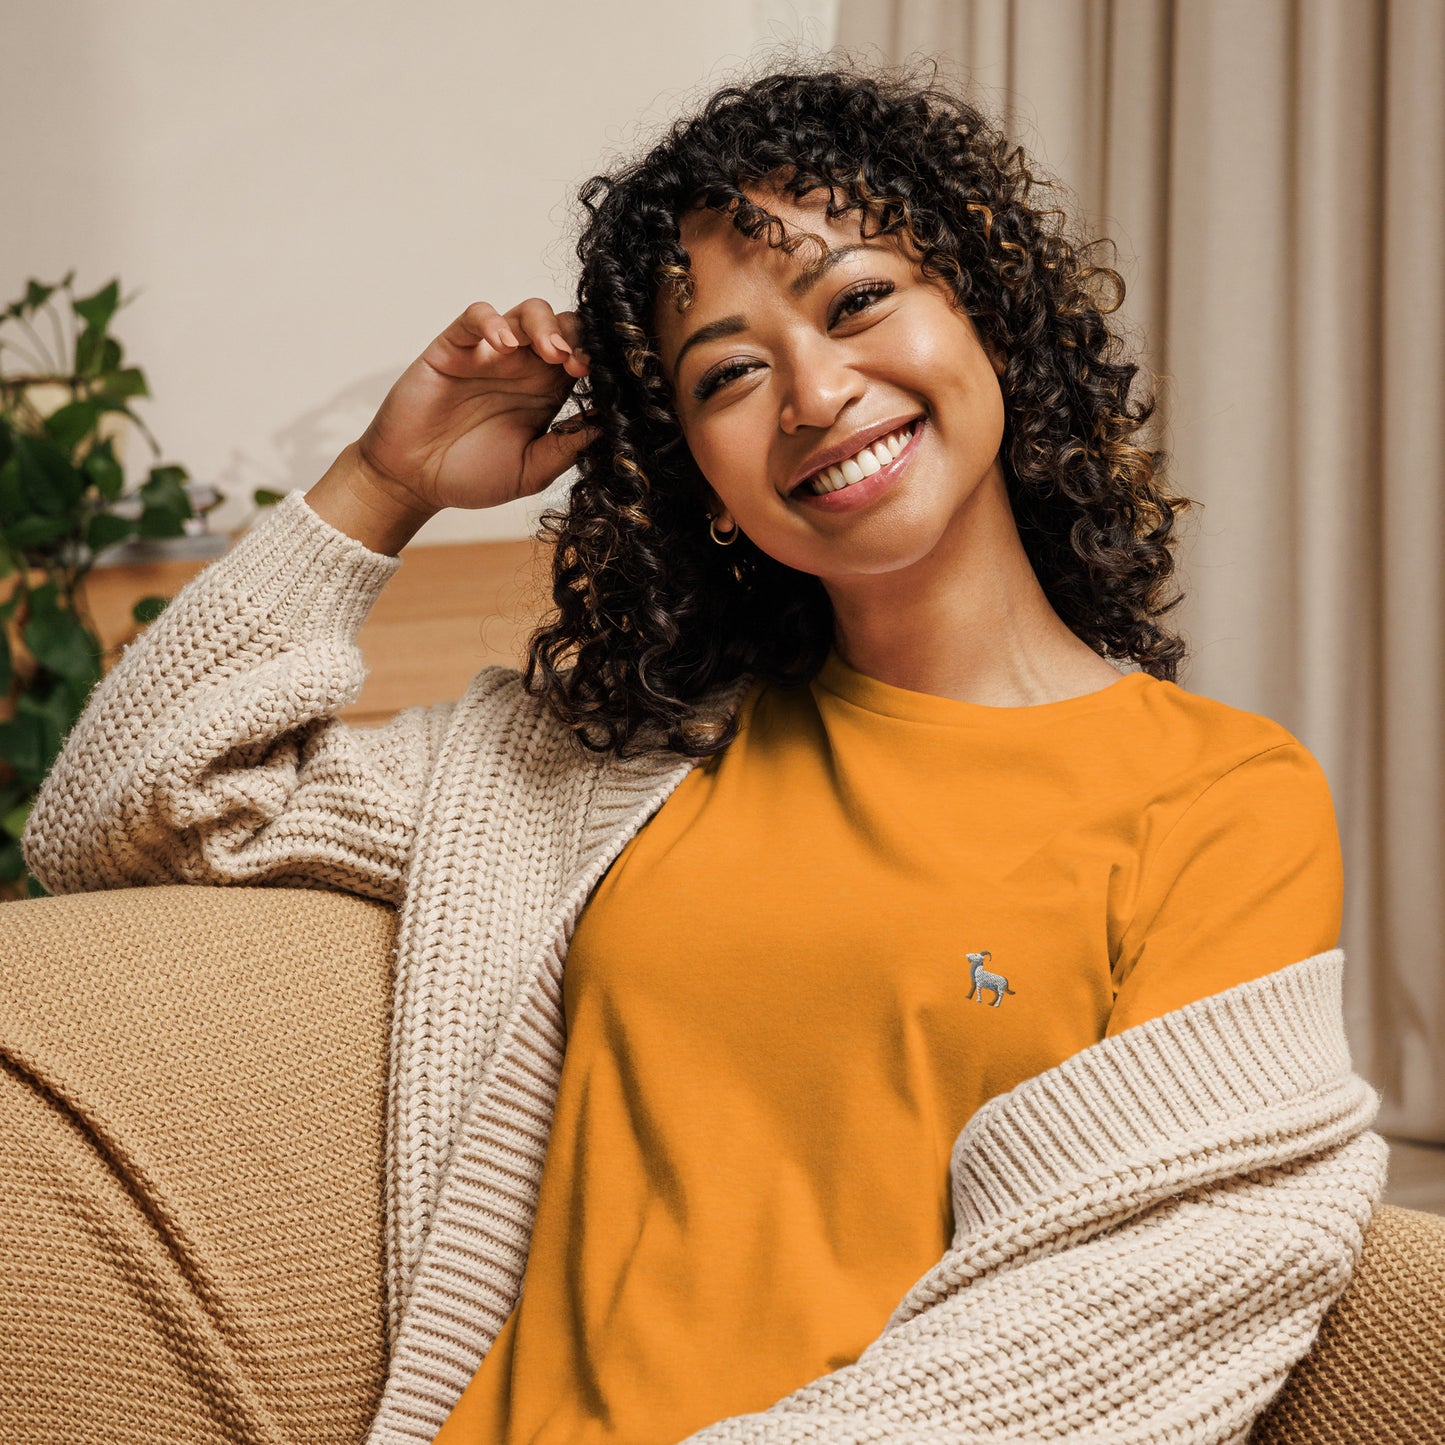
x,y
707,235
726,266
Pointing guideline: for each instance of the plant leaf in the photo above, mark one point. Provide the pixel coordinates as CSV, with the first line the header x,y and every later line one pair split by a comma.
x,y
34,530
102,468
71,422
167,505
97,310
262,497
165,483
43,598
12,494
46,706
7,669
12,794
14,821
161,522
36,295
51,484
105,529
55,712
130,381
60,642
148,609
89,352
71,697
22,745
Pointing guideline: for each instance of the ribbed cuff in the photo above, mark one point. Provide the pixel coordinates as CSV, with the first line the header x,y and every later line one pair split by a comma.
x,y
318,578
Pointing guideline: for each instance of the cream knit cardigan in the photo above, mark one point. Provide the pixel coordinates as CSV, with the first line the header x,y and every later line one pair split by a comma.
x,y
1147,1235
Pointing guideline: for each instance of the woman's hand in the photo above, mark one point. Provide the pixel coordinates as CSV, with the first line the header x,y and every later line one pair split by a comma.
x,y
466,424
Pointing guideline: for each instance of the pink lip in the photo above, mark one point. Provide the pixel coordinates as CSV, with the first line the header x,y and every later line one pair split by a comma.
x,y
861,494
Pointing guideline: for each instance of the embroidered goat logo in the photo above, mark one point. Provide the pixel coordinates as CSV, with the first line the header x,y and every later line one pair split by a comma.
x,y
983,979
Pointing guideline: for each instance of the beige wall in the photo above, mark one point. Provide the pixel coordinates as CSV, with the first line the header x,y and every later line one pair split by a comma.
x,y
302,195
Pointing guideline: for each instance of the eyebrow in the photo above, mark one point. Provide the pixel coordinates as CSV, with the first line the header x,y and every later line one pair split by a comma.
x,y
815,273
731,325
713,331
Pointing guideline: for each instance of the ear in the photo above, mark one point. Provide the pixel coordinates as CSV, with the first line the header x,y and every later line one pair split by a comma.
x,y
717,508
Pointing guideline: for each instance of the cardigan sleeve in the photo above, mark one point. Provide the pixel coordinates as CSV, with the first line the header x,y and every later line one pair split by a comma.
x,y
1149,1237
210,752
1249,879
1180,1326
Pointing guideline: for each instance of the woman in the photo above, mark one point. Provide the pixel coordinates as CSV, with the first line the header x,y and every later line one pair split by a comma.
x,y
948,1045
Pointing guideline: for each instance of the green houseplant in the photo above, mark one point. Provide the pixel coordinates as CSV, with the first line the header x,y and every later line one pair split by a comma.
x,y
64,402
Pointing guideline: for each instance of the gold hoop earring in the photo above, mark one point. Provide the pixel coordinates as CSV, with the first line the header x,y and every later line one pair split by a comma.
x,y
725,541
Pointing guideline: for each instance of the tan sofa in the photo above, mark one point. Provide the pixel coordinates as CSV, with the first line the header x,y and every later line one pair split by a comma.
x,y
191,1161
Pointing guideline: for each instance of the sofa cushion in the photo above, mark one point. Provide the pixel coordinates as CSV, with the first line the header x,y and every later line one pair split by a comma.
x,y
192,1088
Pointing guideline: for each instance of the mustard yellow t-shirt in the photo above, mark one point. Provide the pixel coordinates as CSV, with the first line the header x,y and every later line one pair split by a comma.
x,y
874,911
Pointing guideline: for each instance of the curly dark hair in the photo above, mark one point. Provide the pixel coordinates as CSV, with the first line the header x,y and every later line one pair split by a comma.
x,y
650,613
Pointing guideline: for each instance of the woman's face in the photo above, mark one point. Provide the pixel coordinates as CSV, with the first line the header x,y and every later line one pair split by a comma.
x,y
779,366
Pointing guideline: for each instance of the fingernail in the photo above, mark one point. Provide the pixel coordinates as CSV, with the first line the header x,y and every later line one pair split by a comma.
x,y
559,343
508,337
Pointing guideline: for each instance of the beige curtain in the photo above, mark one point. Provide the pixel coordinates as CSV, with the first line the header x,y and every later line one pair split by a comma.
x,y
1274,174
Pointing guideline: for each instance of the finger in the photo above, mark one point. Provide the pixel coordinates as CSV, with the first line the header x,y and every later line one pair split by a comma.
x,y
587,418
569,323
551,453
482,326
542,329
481,321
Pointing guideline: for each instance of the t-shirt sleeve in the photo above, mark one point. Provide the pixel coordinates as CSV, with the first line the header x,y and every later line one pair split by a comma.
x,y
1249,880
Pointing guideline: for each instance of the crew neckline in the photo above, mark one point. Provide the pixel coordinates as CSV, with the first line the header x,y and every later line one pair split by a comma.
x,y
873,695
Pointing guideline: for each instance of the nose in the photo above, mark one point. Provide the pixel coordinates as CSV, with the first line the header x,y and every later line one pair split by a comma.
x,y
820,382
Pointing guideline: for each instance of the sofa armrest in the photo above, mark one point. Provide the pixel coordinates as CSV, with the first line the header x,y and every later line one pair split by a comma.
x,y
192,1115
1376,1371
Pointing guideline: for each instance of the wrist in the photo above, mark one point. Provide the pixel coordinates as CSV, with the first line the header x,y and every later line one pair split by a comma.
x,y
358,500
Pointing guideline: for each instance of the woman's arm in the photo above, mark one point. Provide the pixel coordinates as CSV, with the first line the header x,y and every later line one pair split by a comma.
x,y
210,753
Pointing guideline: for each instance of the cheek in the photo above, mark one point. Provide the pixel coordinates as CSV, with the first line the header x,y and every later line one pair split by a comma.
x,y
727,450
960,376
946,351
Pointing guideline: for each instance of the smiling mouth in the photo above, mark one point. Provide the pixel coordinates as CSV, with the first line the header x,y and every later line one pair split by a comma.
x,y
865,463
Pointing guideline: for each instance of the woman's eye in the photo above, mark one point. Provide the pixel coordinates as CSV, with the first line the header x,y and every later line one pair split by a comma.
x,y
717,377
864,296
851,303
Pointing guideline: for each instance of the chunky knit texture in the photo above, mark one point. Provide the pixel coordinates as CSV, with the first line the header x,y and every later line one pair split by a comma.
x,y
191,1090
1148,1235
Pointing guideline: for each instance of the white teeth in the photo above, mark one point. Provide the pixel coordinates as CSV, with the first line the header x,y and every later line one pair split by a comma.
x,y
871,459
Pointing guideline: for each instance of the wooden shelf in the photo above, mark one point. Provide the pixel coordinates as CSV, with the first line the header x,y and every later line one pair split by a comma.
x,y
451,609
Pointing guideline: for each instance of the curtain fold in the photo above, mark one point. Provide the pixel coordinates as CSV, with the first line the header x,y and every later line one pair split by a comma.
x,y
1273,174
